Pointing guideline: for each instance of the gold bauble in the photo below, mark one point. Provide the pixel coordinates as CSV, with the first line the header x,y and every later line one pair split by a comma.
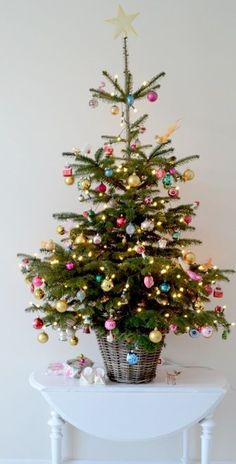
x,y
74,340
189,257
61,306
69,180
48,245
134,180
107,285
115,110
188,174
85,184
60,230
80,239
42,337
39,293
155,336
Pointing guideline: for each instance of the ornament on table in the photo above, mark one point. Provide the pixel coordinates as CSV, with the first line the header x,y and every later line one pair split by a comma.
x,y
99,278
142,129
187,219
67,171
194,276
162,243
97,239
108,150
108,172
130,100
147,225
165,287
208,289
39,293
165,137
43,337
110,337
61,306
173,328
107,284
101,188
189,257
121,221
176,234
218,292
194,333
81,295
70,265
73,341
148,281
37,281
167,180
85,183
219,309
80,239
62,335
160,173
93,103
206,266
155,336
134,180
148,200
115,110
110,324
38,323
132,358
130,229
173,192
207,332
152,96
69,180
188,174
48,245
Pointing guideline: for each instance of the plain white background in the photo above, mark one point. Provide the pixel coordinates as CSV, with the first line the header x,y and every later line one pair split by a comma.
x,y
52,51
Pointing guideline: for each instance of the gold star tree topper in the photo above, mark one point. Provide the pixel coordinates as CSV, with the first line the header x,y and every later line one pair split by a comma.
x,y
123,22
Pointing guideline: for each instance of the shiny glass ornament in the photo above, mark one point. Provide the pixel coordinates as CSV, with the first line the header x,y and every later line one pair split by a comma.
x,y
130,100
155,336
121,221
160,173
99,278
101,188
73,341
37,281
60,230
189,257
108,172
134,180
219,309
39,293
165,287
107,284
167,180
43,337
148,281
38,323
85,184
62,336
194,333
70,266
130,229
61,306
173,192
188,174
176,234
97,239
110,324
69,180
132,358
207,332
152,96
162,243
187,219
81,295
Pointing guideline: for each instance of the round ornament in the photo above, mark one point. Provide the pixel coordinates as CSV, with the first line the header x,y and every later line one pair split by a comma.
x,y
152,96
172,171
188,174
207,332
189,257
194,333
176,234
208,289
37,281
140,249
38,323
147,225
73,341
165,287
115,110
155,336
167,180
188,219
173,192
101,188
219,309
60,230
160,173
85,184
133,146
134,180
42,337
130,100
173,328
162,243
110,324
97,239
70,265
108,172
69,180
108,150
121,221
80,239
85,214
61,306
130,229
148,281
148,200
39,293
107,284
99,278
81,295
132,358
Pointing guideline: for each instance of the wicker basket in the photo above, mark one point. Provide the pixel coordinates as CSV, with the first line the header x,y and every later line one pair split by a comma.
x,y
118,370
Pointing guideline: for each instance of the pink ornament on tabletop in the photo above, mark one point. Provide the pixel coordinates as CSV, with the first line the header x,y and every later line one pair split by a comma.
x,y
121,221
148,281
152,96
110,324
70,265
37,281
160,173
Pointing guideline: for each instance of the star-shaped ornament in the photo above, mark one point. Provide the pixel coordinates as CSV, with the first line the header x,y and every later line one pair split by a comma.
x,y
123,22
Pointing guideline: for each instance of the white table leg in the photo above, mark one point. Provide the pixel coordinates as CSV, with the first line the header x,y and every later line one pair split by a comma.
x,y
207,425
56,423
185,455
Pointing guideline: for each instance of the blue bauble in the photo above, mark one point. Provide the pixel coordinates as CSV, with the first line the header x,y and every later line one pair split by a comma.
x,y
165,287
130,100
132,358
194,333
81,295
176,234
108,172
99,278
167,180
130,229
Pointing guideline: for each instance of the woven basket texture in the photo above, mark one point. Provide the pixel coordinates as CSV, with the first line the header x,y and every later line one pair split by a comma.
x,y
118,370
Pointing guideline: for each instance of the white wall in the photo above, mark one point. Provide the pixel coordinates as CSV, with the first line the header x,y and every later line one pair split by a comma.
x,y
52,51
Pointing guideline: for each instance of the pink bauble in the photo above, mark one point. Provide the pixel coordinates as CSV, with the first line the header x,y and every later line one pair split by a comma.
x,y
85,214
140,249
207,331
108,150
172,328
37,281
70,265
194,275
172,171
160,173
121,221
208,289
187,219
101,188
173,192
110,324
148,200
133,146
219,309
148,281
152,96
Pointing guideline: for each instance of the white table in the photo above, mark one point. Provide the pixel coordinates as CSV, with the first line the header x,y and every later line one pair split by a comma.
x,y
125,412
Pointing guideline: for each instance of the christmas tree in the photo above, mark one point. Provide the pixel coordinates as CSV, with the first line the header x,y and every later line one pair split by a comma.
x,y
124,265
